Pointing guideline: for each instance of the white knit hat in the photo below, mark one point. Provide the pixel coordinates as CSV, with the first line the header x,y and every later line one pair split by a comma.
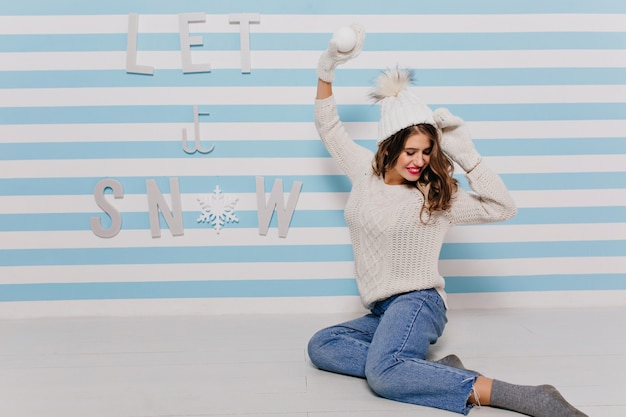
x,y
399,108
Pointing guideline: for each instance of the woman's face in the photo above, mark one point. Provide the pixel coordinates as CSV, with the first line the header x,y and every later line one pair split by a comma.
x,y
412,160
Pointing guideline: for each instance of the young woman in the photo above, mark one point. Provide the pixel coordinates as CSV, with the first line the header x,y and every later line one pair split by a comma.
x,y
403,201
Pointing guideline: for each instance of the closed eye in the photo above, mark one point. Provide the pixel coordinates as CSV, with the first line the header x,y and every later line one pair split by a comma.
x,y
411,152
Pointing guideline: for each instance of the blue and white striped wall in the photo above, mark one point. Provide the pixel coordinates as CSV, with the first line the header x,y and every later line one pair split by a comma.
x,y
541,84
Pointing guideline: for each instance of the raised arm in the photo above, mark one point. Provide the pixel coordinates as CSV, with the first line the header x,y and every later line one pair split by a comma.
x,y
350,156
491,201
324,89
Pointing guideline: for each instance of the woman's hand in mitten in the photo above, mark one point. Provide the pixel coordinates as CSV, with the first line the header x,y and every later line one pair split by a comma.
x,y
456,141
332,56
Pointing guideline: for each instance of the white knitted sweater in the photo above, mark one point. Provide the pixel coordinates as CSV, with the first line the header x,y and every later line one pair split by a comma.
x,y
394,252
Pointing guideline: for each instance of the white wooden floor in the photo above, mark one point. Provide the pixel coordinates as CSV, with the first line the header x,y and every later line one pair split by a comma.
x,y
257,366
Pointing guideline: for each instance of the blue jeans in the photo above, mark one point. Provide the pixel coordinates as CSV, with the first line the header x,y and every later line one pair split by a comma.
x,y
388,347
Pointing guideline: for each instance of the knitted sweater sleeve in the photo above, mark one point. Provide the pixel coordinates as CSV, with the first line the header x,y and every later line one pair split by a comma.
x,y
351,157
488,202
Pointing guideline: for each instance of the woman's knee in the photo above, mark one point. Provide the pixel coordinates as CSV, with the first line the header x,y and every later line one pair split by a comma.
x,y
339,349
316,345
377,378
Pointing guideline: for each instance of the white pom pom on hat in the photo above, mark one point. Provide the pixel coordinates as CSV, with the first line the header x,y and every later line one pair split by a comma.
x,y
399,108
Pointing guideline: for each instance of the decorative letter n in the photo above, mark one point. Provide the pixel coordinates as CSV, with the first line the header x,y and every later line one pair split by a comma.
x,y
157,203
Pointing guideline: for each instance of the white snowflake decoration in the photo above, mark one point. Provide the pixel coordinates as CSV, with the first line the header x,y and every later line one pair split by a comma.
x,y
218,209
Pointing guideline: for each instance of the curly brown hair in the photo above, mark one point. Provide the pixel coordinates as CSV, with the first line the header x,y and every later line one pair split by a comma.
x,y
436,182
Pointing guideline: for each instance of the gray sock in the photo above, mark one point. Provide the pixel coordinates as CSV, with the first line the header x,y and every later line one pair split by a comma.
x,y
454,362
451,360
536,401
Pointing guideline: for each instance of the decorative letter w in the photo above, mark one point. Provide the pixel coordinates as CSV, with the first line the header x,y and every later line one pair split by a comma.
x,y
277,201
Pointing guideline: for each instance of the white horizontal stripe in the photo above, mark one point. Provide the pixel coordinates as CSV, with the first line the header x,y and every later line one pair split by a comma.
x,y
513,94
532,266
176,272
535,299
537,233
299,270
548,129
136,96
192,238
137,203
557,164
301,236
158,132
351,306
216,23
278,166
161,60
565,58
570,198
186,307
168,167
293,131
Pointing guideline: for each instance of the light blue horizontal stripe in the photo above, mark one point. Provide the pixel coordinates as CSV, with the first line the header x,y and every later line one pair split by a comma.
x,y
298,113
565,181
286,149
570,215
302,77
141,221
161,78
140,150
311,183
588,282
156,114
176,255
494,41
46,7
517,250
318,42
178,289
296,253
435,77
301,218
117,42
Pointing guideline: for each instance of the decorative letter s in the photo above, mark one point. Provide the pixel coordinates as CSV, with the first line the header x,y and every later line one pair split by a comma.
x,y
116,217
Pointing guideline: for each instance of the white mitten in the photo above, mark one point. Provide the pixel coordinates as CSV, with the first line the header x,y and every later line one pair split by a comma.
x,y
331,57
456,141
